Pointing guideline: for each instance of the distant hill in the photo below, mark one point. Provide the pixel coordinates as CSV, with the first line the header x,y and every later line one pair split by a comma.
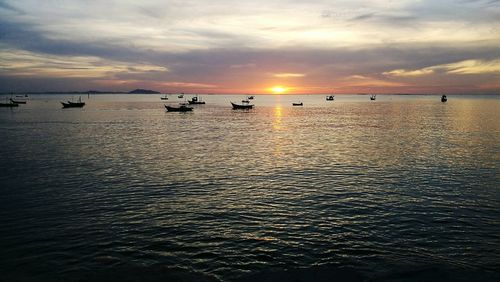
x,y
143,91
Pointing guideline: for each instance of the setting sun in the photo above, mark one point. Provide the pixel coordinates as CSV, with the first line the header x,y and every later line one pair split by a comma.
x,y
278,89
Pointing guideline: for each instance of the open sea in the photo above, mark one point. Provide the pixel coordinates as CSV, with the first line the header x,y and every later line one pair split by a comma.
x,y
404,188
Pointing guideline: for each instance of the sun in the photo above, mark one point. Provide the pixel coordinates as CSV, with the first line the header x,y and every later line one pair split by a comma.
x,y
278,89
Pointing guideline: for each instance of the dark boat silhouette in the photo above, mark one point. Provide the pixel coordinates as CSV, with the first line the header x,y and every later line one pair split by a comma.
x,y
9,105
242,106
181,108
373,97
70,104
164,97
444,98
330,98
298,104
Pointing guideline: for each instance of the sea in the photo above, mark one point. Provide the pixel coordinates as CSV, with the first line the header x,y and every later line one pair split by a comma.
x,y
403,188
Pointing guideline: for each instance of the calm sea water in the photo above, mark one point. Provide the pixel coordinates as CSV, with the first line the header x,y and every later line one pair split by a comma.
x,y
401,188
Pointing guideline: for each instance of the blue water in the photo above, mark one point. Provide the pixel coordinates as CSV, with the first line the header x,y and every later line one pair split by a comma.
x,y
402,188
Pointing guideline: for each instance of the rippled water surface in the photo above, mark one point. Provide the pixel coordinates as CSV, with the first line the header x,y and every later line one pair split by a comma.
x,y
397,188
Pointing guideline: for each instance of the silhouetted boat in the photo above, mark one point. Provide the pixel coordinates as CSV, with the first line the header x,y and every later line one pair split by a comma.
x,y
17,101
9,105
444,99
330,98
373,97
181,108
242,106
298,104
70,104
196,101
250,97
181,95
164,97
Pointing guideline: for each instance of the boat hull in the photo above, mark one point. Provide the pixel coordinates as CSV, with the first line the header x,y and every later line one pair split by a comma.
x,y
9,105
178,109
297,104
241,107
72,105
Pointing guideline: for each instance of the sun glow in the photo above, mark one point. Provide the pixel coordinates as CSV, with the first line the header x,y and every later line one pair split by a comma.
x,y
278,89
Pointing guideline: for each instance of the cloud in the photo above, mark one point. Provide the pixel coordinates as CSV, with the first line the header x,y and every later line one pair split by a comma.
x,y
25,63
286,75
249,45
472,67
243,66
462,67
402,72
188,84
6,6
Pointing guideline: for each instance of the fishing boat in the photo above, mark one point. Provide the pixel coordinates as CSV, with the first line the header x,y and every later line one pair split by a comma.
x,y
250,97
70,104
164,97
373,97
196,101
298,104
17,101
9,104
181,108
242,106
330,98
181,96
444,98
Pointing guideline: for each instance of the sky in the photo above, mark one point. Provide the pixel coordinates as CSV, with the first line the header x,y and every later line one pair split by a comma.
x,y
272,46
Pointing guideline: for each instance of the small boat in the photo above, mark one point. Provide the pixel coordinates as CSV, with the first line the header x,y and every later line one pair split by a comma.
x,y
241,106
196,101
9,105
298,104
330,98
181,96
17,101
70,104
250,97
164,97
373,97
181,108
444,98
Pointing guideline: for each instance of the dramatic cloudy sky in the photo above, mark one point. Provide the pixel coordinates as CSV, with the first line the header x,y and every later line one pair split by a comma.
x,y
226,46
